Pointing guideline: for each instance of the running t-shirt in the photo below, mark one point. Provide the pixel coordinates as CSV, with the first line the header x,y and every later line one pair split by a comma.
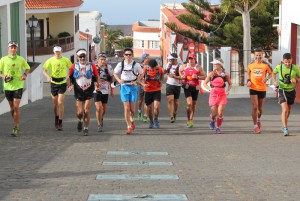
x,y
83,82
189,72
12,66
173,70
129,73
257,72
154,85
104,84
285,73
58,68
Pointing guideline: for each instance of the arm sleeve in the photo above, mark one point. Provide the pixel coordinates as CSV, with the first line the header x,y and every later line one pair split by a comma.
x,y
71,70
95,71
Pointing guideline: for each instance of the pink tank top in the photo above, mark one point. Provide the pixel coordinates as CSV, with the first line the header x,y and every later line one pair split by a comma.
x,y
188,72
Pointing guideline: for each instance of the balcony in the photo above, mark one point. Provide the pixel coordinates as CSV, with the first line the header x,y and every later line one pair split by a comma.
x,y
45,47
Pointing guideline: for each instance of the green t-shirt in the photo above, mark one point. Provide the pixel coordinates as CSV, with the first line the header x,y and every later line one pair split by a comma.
x,y
12,66
58,68
284,73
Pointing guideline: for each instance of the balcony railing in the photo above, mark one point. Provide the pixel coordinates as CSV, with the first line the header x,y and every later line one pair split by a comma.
x,y
45,47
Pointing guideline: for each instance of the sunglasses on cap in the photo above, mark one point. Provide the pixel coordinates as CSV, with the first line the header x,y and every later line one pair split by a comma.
x,y
82,56
102,55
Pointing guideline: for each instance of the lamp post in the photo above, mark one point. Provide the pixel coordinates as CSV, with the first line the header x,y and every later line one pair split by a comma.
x,y
87,43
33,23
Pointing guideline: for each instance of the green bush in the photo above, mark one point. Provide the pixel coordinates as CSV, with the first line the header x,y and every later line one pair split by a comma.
x,y
63,34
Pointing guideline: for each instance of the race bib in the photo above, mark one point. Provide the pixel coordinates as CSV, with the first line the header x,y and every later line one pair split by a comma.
x,y
84,83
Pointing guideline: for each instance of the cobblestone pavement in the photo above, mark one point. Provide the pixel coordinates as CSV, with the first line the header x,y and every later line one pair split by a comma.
x,y
47,165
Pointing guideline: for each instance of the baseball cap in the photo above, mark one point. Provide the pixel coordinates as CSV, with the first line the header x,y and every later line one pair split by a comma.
x,y
57,49
144,56
191,55
12,43
80,52
218,61
172,56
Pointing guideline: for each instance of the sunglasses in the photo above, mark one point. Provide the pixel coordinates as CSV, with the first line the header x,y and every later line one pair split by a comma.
x,y
128,54
81,56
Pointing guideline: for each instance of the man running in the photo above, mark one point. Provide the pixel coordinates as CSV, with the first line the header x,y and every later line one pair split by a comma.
x,y
257,78
57,67
289,75
105,72
141,93
191,73
153,77
173,85
81,75
11,70
126,73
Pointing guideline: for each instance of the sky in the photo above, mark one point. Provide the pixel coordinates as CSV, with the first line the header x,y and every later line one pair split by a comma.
x,y
127,12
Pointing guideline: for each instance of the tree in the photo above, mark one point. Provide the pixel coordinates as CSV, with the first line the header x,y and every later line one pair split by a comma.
x,y
125,42
112,39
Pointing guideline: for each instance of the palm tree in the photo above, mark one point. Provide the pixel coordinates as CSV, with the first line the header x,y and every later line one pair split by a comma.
x,y
112,39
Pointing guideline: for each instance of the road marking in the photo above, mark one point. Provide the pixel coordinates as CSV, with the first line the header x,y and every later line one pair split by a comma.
x,y
137,163
137,153
136,177
111,197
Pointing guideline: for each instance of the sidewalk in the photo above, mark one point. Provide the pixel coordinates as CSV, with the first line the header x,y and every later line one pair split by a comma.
x,y
44,164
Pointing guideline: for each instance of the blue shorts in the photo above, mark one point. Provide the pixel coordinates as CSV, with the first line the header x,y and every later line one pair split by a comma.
x,y
128,93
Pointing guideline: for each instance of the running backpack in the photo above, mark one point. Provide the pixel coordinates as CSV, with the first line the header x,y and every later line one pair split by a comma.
x,y
88,70
132,68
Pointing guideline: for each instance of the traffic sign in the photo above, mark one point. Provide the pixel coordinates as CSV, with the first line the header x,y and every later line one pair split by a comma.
x,y
105,36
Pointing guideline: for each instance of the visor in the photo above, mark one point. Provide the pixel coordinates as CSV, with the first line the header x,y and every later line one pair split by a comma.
x,y
12,43
81,52
57,49
217,62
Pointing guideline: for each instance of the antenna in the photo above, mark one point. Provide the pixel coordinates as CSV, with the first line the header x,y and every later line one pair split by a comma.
x,y
174,5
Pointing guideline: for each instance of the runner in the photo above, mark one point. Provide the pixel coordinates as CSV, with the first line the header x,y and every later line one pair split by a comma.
x,y
257,78
57,67
105,72
153,76
129,71
173,85
82,75
218,92
289,75
11,70
191,73
141,94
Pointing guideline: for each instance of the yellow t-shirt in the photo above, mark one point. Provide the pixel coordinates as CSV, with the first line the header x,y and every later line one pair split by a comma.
x,y
58,68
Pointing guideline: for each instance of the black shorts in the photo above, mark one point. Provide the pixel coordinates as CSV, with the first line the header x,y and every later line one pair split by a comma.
x,y
260,94
173,90
150,97
141,92
16,94
58,88
193,92
286,96
99,97
83,95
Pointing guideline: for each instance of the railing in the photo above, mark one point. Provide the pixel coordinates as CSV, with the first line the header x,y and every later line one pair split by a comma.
x,y
45,47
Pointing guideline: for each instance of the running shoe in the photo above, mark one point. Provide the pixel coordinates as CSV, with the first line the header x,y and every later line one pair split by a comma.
x,y
60,127
156,123
56,122
218,131
190,124
145,118
15,132
174,115
132,125
172,120
140,116
100,128
256,130
129,130
259,124
79,126
85,132
285,131
212,125
151,124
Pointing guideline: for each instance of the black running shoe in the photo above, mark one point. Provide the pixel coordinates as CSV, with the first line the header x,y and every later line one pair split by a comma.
x,y
79,126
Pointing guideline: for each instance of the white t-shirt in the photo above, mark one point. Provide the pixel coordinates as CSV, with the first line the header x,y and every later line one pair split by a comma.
x,y
128,74
104,85
170,80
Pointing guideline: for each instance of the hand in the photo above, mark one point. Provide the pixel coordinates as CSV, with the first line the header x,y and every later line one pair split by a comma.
x,y
49,79
23,77
227,92
276,84
121,81
70,88
194,76
8,78
293,80
265,80
145,85
249,84
112,93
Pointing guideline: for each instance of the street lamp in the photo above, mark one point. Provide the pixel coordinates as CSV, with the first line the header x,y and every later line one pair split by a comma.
x,y
33,23
87,43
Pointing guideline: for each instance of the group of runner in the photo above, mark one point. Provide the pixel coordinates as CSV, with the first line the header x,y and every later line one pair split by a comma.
x,y
143,83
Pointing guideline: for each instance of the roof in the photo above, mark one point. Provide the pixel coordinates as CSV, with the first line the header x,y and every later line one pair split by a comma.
x,y
146,26
83,36
51,4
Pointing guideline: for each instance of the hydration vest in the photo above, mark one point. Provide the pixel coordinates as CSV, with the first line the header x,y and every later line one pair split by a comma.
x,y
176,69
132,70
107,76
157,75
88,70
222,75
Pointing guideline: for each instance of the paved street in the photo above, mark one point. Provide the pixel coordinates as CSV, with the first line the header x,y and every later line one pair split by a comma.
x,y
46,165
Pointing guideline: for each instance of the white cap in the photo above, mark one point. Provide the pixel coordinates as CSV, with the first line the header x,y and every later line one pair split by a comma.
x,y
57,49
81,52
217,62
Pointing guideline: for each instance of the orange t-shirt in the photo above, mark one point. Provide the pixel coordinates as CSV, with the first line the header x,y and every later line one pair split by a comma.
x,y
256,73
154,85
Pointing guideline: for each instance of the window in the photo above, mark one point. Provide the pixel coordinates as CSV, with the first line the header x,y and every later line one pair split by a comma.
x,y
153,44
140,44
